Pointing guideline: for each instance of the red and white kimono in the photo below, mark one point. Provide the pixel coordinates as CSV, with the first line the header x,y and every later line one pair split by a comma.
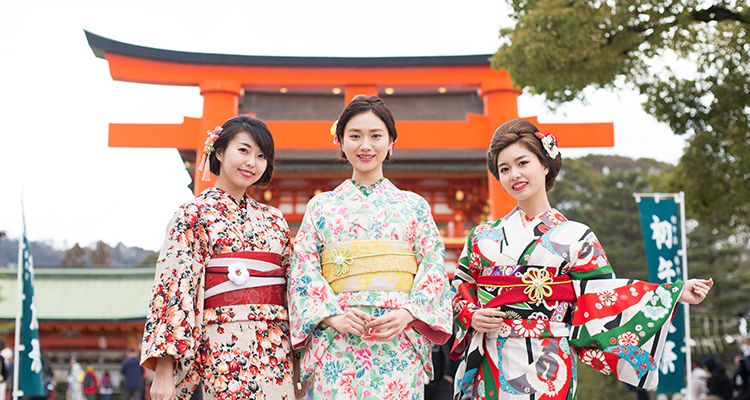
x,y
219,300
553,280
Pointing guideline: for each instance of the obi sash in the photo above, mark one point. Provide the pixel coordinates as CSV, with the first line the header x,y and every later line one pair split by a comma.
x,y
246,277
535,285
369,265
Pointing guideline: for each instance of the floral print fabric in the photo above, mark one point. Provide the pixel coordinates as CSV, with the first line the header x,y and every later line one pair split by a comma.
x,y
614,325
346,214
365,368
239,351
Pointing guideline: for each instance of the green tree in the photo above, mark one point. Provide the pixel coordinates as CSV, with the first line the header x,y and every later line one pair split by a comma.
x,y
101,255
720,253
74,257
558,48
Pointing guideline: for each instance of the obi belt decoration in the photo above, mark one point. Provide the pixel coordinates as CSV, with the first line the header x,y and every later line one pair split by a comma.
x,y
532,284
246,277
369,265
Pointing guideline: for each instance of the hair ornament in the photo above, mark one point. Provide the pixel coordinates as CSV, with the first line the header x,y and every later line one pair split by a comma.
x,y
333,132
208,148
549,142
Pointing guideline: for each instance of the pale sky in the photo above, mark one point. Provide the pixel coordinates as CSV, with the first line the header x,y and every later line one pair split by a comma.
x,y
57,98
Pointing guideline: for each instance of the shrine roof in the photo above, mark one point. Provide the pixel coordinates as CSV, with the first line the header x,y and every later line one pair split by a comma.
x,y
101,45
82,294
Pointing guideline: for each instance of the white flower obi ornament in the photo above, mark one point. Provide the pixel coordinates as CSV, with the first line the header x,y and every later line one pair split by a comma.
x,y
237,273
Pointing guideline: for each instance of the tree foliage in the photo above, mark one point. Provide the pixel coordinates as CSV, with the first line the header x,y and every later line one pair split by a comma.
x,y
558,48
101,254
74,257
721,253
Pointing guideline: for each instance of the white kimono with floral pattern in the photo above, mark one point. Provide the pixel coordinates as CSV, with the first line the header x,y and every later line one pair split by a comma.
x,y
349,366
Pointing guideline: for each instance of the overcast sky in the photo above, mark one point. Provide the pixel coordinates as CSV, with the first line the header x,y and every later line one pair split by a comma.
x,y
57,98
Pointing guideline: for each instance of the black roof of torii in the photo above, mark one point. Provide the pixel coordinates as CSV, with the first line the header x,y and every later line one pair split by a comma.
x,y
100,45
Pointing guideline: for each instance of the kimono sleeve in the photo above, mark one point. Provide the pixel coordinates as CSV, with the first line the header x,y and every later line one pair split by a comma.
x,y
286,245
429,300
619,326
465,301
173,324
311,298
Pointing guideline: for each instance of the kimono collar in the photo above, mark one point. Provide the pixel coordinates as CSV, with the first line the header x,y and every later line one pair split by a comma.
x,y
349,191
366,210
225,198
550,217
369,189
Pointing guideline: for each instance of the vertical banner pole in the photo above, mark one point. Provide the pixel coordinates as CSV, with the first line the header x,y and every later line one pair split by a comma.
x,y
688,340
17,347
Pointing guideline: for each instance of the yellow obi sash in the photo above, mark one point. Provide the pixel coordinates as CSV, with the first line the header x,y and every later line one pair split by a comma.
x,y
369,265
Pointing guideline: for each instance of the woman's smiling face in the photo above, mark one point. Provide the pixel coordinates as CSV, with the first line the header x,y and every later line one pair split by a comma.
x,y
522,174
366,144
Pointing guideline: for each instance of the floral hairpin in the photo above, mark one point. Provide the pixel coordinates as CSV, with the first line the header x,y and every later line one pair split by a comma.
x,y
549,142
208,148
333,132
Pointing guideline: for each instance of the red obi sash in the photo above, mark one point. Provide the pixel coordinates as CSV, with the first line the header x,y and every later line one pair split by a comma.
x,y
245,277
559,288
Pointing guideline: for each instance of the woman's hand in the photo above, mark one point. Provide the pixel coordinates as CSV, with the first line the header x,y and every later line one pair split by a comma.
x,y
388,326
695,290
354,322
487,319
162,388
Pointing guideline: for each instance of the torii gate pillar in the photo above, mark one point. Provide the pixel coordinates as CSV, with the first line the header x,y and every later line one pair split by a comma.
x,y
220,102
500,106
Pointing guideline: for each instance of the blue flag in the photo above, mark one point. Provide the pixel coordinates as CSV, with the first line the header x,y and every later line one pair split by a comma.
x,y
30,367
661,233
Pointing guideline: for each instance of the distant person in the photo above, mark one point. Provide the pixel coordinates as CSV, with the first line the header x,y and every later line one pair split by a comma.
x,y
742,375
90,383
132,374
699,378
719,385
4,372
75,381
105,387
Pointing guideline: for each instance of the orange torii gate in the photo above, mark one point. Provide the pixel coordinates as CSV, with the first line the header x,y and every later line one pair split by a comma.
x,y
223,78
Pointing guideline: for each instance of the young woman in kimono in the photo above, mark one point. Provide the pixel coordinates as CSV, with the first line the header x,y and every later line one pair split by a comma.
x,y
368,291
218,312
534,291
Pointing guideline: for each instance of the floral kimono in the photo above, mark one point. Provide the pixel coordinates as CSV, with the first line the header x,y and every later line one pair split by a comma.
x,y
375,249
219,303
553,280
